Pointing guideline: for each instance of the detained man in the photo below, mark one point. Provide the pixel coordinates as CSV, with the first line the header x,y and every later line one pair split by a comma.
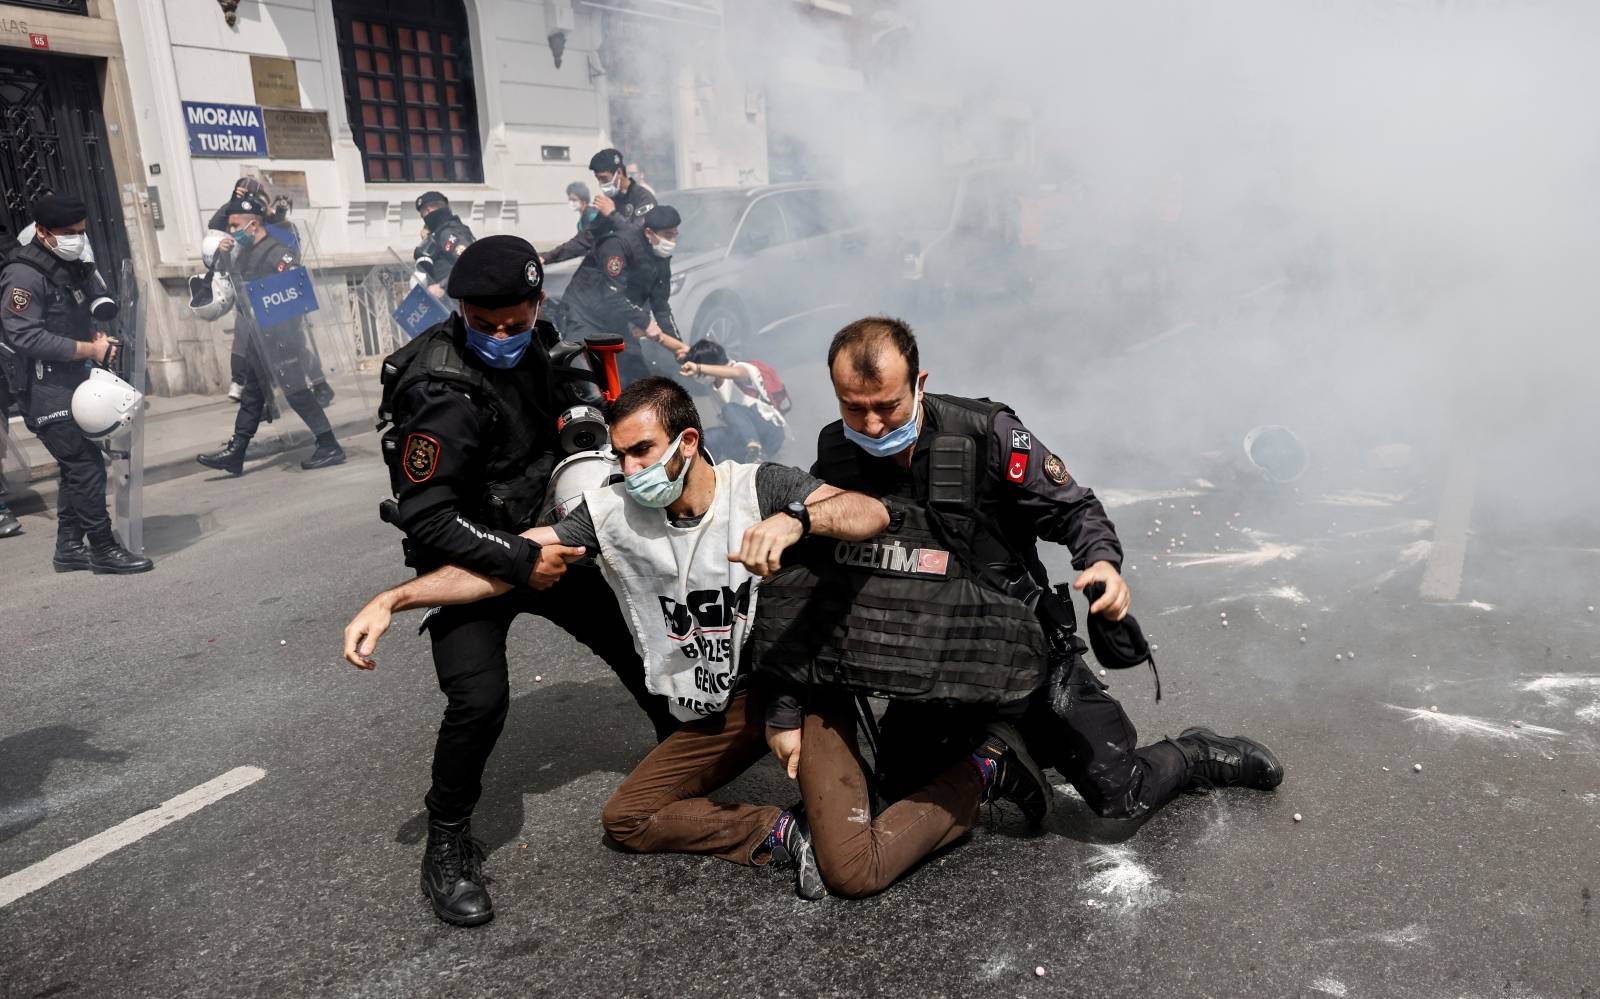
x,y
683,542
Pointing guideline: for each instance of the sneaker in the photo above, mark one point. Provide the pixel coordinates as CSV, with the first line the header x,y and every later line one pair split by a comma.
x,y
793,849
452,874
1016,777
9,524
1227,761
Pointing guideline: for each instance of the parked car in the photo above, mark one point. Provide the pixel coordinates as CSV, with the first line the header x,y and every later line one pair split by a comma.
x,y
754,261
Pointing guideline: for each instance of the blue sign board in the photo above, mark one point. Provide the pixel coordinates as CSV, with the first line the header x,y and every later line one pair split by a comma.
x,y
225,129
278,298
419,311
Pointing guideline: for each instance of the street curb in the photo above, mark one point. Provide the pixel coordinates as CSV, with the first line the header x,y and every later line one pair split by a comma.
x,y
39,493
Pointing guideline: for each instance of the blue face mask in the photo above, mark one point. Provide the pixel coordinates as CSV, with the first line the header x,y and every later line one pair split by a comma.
x,y
244,238
498,353
652,487
894,441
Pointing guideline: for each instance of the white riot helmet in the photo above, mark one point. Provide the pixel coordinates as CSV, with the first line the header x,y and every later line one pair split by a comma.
x,y
104,404
210,295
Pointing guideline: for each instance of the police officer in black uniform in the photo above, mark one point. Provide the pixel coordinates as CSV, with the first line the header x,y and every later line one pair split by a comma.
x,y
272,354
622,288
49,344
444,238
622,201
1026,493
474,402
278,216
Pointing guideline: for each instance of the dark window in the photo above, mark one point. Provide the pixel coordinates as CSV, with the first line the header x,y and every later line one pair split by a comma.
x,y
814,212
408,87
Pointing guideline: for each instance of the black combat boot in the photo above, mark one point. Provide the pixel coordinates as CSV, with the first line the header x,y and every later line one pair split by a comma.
x,y
1013,775
328,452
230,459
71,555
110,557
9,524
452,874
792,849
1223,761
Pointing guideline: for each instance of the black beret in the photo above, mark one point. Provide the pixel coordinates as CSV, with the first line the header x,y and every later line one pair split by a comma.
x,y
605,161
54,210
496,267
661,217
429,197
247,205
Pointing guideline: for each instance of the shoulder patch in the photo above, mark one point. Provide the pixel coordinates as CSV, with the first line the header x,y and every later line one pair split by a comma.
x,y
449,244
613,265
1021,440
1017,467
1055,469
422,457
21,299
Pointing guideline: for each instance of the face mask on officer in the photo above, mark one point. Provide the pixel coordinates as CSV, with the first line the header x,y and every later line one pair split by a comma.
x,y
662,246
68,245
436,218
612,187
893,441
497,351
653,486
244,237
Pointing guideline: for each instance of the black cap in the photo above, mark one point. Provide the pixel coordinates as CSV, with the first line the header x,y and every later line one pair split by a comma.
x,y
605,161
429,197
54,210
247,205
496,269
661,217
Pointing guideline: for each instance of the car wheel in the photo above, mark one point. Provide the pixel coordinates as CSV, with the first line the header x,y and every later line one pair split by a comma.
x,y
723,321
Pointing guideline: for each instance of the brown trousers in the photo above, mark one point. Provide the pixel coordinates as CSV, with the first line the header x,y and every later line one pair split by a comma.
x,y
661,807
861,854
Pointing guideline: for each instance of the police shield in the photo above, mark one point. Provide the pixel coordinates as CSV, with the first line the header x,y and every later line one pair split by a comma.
x,y
296,338
126,447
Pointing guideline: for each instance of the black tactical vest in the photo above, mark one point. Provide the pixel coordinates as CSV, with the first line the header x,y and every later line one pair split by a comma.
x,y
937,608
66,306
515,473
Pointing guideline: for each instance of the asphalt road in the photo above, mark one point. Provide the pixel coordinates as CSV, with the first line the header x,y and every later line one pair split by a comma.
x,y
1472,876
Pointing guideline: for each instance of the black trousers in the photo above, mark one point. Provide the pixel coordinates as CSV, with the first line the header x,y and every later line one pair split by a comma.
x,y
253,400
1072,725
469,654
81,507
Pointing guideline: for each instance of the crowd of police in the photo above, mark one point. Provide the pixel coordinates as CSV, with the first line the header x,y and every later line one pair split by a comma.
x,y
548,468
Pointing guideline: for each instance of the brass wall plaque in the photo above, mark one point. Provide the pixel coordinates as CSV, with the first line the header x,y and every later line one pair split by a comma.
x,y
277,82
298,135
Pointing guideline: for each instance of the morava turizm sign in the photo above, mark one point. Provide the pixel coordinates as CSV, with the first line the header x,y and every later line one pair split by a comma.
x,y
225,129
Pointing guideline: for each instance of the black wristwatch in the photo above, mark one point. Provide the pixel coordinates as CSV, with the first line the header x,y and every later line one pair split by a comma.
x,y
798,511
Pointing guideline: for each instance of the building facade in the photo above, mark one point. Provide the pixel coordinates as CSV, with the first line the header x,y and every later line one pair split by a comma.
x,y
150,109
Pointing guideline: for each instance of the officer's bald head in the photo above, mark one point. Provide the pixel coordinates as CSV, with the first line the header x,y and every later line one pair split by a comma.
x,y
874,349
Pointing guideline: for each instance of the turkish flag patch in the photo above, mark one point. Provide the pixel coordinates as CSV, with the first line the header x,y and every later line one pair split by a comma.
x,y
1017,470
613,266
932,562
422,457
21,298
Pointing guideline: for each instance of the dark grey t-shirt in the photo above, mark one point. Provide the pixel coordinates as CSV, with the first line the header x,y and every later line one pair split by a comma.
x,y
776,487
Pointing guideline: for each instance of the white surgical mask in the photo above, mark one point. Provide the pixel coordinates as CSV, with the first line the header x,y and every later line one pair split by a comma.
x,y
70,246
610,190
664,247
576,206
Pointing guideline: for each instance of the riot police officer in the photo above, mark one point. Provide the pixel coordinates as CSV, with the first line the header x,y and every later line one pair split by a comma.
x,y
1022,492
444,238
474,402
622,201
622,287
50,342
273,354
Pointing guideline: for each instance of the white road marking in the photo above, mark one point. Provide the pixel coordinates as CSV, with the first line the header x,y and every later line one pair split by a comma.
x,y
1442,579
81,855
